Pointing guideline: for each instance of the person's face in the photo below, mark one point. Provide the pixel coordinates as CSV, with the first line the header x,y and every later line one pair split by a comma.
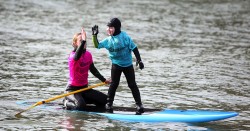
x,y
78,42
79,39
110,31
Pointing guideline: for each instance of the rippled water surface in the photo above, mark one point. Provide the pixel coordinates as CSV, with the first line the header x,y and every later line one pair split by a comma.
x,y
196,55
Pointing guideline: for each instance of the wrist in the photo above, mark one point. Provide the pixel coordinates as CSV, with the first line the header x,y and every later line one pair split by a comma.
x,y
83,42
139,61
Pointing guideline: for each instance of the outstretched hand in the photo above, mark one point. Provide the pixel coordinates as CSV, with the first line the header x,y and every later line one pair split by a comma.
x,y
95,30
83,34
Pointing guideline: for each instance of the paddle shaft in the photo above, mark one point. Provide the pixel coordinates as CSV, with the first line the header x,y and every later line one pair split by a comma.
x,y
70,93
60,96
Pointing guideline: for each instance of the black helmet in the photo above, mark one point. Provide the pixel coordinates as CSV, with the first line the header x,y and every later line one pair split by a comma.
x,y
114,22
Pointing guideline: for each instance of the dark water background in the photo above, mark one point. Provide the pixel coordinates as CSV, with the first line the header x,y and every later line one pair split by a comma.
x,y
196,55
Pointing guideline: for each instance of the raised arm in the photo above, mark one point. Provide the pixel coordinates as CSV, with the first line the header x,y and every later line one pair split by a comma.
x,y
80,49
94,36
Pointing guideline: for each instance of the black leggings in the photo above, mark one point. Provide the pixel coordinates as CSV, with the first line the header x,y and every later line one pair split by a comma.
x,y
80,100
130,76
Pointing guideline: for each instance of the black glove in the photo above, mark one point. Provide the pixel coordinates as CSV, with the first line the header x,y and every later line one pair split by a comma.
x,y
95,30
141,65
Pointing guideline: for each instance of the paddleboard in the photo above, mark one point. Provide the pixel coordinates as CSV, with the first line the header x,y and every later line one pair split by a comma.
x,y
168,115
152,115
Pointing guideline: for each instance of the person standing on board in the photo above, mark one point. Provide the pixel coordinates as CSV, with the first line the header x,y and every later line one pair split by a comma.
x,y
80,61
120,45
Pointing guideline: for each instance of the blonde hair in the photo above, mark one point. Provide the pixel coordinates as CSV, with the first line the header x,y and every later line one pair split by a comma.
x,y
75,40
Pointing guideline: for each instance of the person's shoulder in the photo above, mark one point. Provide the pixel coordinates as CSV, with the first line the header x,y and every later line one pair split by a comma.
x,y
88,52
124,33
107,38
72,53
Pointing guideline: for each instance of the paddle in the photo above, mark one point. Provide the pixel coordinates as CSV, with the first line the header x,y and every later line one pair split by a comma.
x,y
60,96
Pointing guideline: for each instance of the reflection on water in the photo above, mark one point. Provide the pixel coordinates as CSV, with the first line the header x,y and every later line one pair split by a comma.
x,y
196,56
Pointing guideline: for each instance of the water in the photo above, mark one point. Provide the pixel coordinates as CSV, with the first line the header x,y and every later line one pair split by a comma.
x,y
196,55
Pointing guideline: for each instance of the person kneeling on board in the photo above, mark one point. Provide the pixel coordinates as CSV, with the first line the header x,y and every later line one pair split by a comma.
x,y
80,61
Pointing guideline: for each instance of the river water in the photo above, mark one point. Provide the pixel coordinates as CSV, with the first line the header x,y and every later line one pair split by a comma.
x,y
196,55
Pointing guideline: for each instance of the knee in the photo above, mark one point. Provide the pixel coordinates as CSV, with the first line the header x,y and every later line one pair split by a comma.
x,y
132,85
74,105
114,84
80,105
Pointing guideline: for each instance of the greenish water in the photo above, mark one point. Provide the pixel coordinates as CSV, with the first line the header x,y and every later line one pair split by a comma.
x,y
196,55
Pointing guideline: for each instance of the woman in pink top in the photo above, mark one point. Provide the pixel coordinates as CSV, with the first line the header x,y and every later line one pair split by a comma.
x,y
80,62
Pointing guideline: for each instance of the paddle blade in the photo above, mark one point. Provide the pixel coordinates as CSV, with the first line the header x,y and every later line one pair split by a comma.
x,y
18,115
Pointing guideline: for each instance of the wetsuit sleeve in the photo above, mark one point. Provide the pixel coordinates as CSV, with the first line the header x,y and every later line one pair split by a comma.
x,y
137,54
96,73
130,42
95,41
79,51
